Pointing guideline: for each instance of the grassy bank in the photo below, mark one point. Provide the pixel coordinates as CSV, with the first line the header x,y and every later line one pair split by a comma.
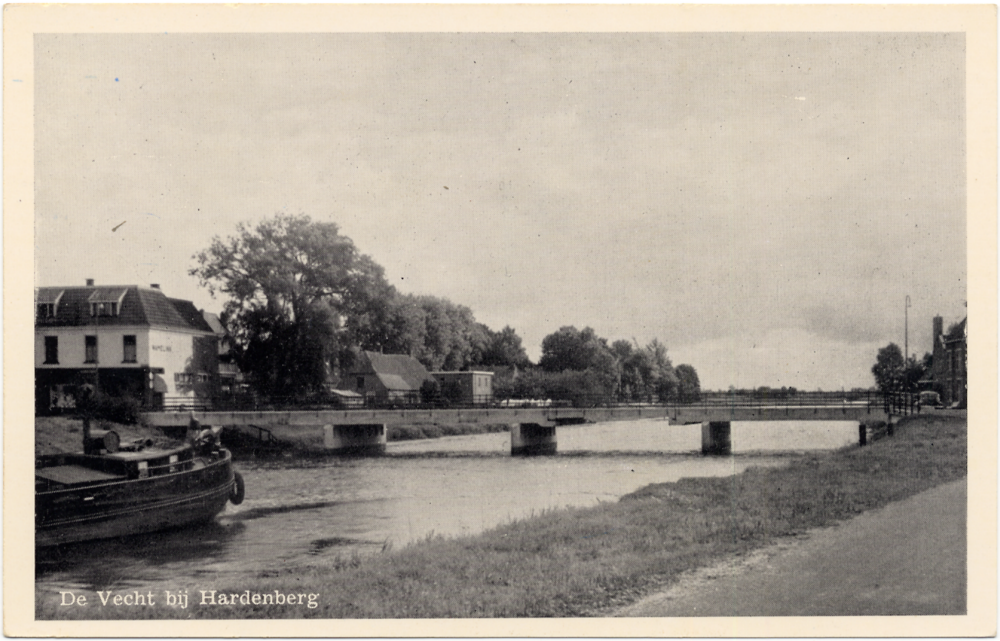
x,y
581,562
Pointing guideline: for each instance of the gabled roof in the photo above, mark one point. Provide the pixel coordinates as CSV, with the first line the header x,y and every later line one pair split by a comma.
x,y
190,313
395,383
957,331
214,322
136,306
396,371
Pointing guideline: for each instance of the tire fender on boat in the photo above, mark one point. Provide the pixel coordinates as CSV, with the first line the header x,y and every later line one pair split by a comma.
x,y
238,491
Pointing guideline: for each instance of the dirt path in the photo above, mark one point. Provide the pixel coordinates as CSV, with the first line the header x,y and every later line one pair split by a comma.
x,y
908,558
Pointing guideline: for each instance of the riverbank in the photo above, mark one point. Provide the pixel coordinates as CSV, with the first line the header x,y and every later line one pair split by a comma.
x,y
905,559
586,562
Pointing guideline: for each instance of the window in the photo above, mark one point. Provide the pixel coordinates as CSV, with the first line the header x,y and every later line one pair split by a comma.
x,y
46,310
90,349
128,346
52,350
104,309
186,378
361,382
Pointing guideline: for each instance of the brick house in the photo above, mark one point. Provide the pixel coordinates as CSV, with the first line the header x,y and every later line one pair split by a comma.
x,y
948,369
124,340
385,378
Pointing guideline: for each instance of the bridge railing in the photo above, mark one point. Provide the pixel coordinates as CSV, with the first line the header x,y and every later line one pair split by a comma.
x,y
896,403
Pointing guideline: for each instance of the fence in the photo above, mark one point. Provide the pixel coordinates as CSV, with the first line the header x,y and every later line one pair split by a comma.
x,y
896,403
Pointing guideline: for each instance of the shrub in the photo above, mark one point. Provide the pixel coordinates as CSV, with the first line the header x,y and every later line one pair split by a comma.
x,y
430,391
117,409
404,433
432,431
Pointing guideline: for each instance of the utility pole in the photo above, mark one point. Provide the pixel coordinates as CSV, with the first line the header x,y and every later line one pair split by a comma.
x,y
906,339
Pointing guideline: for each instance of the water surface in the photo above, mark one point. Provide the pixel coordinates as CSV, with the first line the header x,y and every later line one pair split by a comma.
x,y
316,514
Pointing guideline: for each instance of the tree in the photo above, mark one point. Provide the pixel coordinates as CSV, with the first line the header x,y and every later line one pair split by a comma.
x,y
288,281
915,370
646,372
503,348
572,350
888,368
450,338
663,380
631,367
688,386
576,350
374,316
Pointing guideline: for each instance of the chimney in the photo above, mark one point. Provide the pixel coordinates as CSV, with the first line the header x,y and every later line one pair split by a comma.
x,y
155,285
90,282
938,327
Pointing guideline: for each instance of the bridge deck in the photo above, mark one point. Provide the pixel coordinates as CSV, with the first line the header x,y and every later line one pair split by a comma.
x,y
677,415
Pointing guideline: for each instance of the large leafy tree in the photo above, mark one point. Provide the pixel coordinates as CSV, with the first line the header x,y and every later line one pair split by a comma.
x,y
452,338
574,349
915,370
630,382
503,348
889,368
289,280
688,385
435,331
570,349
646,372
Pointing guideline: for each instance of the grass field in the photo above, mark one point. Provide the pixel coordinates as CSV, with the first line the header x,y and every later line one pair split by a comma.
x,y
582,562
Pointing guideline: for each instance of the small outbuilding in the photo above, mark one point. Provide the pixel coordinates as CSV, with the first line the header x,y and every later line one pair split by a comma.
x,y
474,387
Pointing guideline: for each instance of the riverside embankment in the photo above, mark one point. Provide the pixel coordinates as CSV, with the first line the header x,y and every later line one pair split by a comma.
x,y
589,561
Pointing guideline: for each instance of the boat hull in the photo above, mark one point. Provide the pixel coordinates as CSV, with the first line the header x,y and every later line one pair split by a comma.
x,y
134,506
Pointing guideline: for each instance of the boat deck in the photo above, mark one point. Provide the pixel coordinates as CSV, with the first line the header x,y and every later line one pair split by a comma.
x,y
75,475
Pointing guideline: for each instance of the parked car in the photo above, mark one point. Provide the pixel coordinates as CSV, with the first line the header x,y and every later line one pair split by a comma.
x,y
930,398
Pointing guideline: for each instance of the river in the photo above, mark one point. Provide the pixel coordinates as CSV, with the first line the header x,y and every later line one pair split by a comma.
x,y
319,513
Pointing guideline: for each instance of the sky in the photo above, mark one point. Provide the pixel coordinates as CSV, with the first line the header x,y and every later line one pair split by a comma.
x,y
762,204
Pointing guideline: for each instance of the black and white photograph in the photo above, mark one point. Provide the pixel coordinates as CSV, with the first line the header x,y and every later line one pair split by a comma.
x,y
652,323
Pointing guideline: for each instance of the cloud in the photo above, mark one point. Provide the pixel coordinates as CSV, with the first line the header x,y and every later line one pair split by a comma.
x,y
647,185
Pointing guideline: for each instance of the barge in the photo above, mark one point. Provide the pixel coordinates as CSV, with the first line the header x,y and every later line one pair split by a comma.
x,y
109,491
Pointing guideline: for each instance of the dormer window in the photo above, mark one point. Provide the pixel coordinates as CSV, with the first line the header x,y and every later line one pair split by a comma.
x,y
47,302
106,301
104,309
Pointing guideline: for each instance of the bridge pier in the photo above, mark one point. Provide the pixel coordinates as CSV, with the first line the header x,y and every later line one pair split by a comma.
x,y
355,439
531,438
715,438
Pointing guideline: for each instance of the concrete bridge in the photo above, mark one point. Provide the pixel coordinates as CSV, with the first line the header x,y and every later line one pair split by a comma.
x,y
532,428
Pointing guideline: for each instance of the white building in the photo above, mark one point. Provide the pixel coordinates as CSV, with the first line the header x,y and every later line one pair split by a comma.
x,y
124,340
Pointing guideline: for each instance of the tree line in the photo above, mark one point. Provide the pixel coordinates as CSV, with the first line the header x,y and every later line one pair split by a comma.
x,y
301,303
